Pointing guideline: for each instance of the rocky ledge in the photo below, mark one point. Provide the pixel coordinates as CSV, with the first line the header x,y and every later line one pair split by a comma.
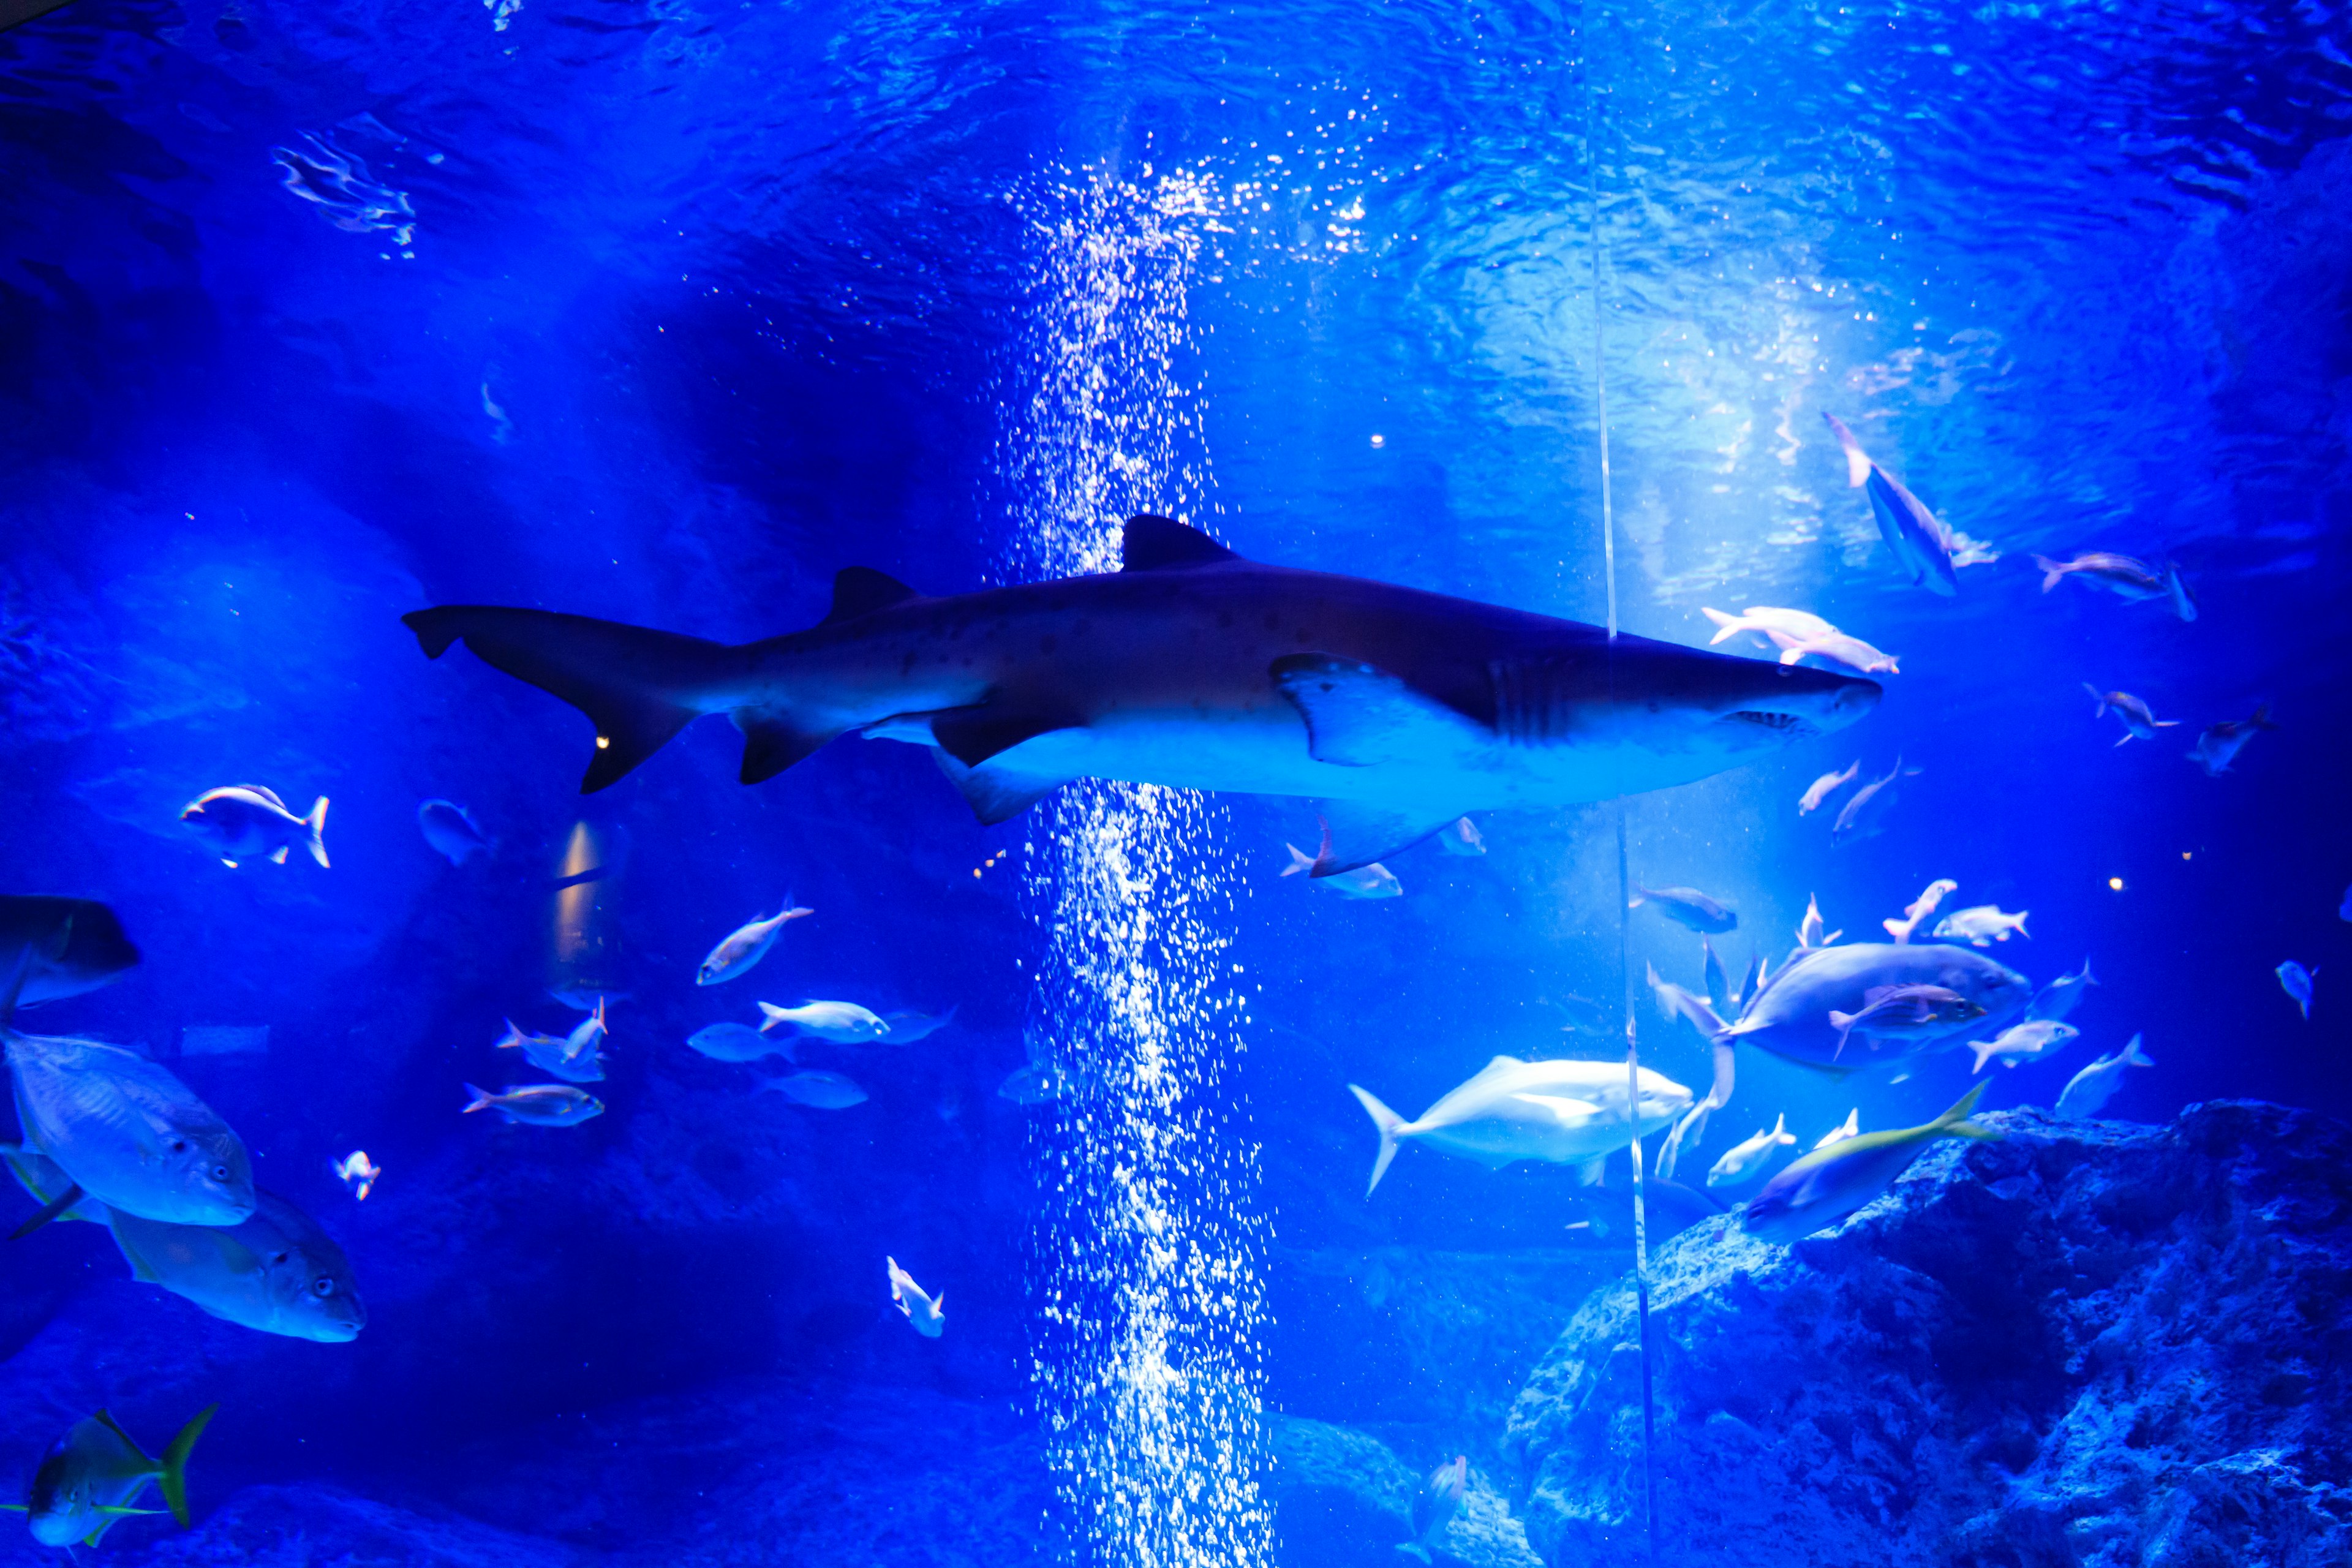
x,y
2087,1344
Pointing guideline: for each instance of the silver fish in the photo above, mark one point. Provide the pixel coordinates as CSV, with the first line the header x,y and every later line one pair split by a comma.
x,y
1745,1159
1461,837
2220,744
1905,1012
818,1090
1864,815
2058,998
244,822
1914,536
1818,792
1567,1113
91,1476
2122,575
905,1028
130,1133
576,1057
1843,647
1036,1083
1768,621
1687,908
2139,722
2087,1093
928,1313
1981,925
540,1104
1790,1017
745,945
1920,908
842,1023
2295,981
1825,1187
449,828
741,1043
1373,881
277,1272
2025,1042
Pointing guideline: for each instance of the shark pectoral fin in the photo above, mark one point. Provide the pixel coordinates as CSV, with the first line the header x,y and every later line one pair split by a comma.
x,y
1162,543
1360,716
973,735
995,794
1357,833
771,743
860,591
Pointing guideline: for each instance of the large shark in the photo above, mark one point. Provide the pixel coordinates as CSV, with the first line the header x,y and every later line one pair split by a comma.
x,y
1399,710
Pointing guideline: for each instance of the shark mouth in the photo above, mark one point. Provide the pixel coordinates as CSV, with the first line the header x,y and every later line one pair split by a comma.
x,y
1791,726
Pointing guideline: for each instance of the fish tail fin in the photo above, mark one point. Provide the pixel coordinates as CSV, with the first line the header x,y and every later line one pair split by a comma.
x,y
1726,626
1299,861
2052,571
1388,1121
1954,1123
2088,978
2261,719
1984,1050
2135,1057
1795,651
512,1041
775,1015
2022,915
317,824
1857,461
1641,896
2098,700
172,1479
639,687
482,1099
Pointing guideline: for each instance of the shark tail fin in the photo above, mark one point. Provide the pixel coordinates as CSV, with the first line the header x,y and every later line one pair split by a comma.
x,y
1388,1121
174,1479
2135,1057
1954,1123
316,843
639,687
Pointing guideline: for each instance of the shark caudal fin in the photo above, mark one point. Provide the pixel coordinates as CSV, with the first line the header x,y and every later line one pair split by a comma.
x,y
174,1479
1388,1121
317,823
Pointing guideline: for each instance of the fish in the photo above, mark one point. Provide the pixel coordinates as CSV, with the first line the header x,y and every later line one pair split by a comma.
x,y
2123,576
1899,1012
2139,722
745,945
741,1043
46,1183
1864,815
2058,998
1809,930
1461,837
1373,881
1920,908
1981,925
128,1132
1566,1113
1916,536
449,828
2025,1042
842,1023
540,1104
2295,981
1790,1018
1435,1504
1849,1128
1719,988
2087,1093
53,948
276,1272
1821,789
1843,647
576,1057
928,1313
1687,908
905,1028
1668,1207
1585,1016
2220,744
90,1478
818,1090
1035,1084
1824,1188
1745,1159
1768,623
1676,1001
244,822
357,1172
1398,710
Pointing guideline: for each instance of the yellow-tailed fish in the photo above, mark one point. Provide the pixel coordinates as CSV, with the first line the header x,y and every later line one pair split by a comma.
x,y
277,1272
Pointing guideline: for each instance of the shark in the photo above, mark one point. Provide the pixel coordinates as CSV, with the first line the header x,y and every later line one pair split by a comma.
x,y
1397,710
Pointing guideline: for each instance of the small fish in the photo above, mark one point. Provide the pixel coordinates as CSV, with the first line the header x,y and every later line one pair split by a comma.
x,y
2219,746
1809,930
2295,981
2057,999
2139,722
741,1043
357,1172
541,1104
1825,1187
450,831
818,1090
928,1313
1920,908
1373,881
1719,988
1864,815
243,821
1822,788
1981,925
1905,1012
128,1133
2087,1093
1744,1161
576,1057
745,945
1687,908
1849,1128
2120,574
1035,1084
277,1272
1917,538
905,1028
91,1475
1461,837
1766,622
2025,1042
842,1023
1435,1504
1842,647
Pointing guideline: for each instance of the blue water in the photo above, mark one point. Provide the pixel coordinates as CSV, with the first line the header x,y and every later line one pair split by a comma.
x,y
657,312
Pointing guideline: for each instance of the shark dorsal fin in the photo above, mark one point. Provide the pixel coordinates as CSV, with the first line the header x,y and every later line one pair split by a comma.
x,y
1162,543
861,590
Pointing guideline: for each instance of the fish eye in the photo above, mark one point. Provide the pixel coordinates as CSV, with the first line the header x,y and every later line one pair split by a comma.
x,y
220,1172
322,1287
179,1145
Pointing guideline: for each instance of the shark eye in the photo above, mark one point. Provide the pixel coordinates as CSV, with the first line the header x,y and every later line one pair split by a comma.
x,y
322,1287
